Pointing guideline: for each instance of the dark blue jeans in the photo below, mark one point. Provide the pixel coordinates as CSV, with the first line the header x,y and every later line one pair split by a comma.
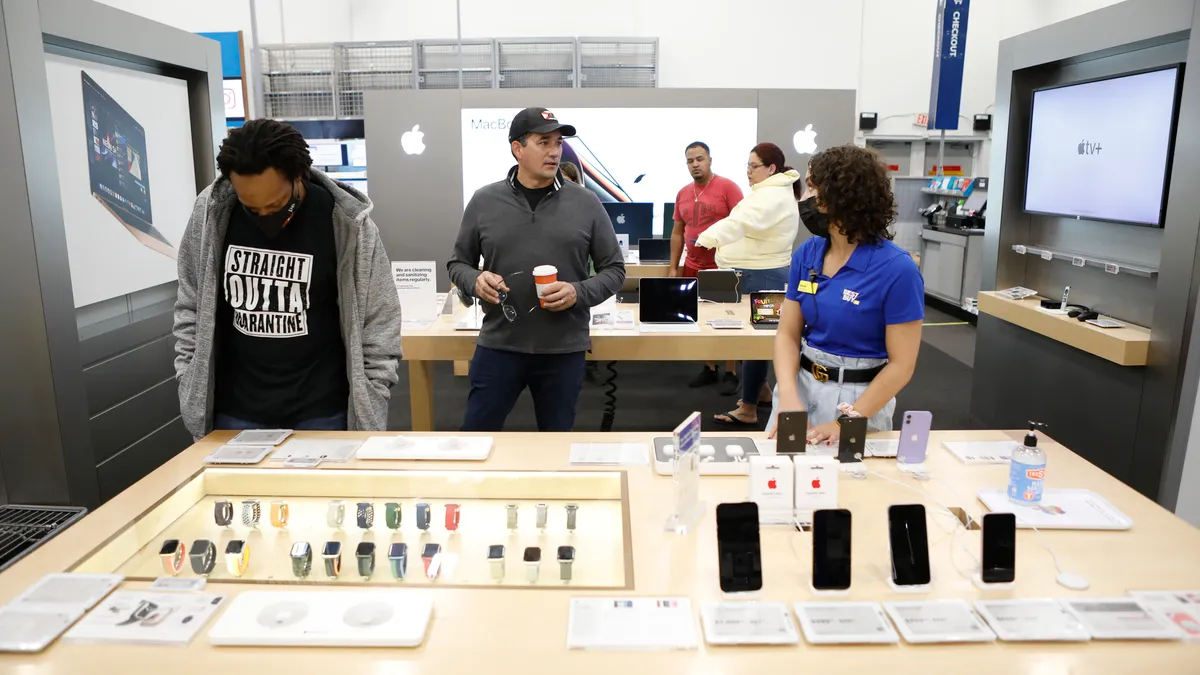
x,y
754,373
499,377
335,422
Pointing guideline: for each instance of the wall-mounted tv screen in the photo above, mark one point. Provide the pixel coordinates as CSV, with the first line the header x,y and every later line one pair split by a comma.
x,y
1101,150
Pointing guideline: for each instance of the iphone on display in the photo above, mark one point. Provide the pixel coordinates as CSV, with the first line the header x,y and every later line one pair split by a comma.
x,y
853,438
738,547
831,550
791,437
999,561
908,540
914,437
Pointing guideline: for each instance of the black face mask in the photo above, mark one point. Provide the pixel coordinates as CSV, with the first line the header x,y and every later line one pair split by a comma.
x,y
273,223
813,219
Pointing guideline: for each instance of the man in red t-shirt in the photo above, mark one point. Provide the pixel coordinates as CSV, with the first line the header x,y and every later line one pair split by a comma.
x,y
706,200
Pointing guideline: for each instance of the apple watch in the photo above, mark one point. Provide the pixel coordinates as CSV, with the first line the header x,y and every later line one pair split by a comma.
x,y
398,560
572,512
203,557
430,552
496,560
566,556
392,515
171,555
332,554
251,512
511,512
542,511
364,515
237,557
533,560
301,559
365,555
423,516
452,516
279,513
335,513
223,512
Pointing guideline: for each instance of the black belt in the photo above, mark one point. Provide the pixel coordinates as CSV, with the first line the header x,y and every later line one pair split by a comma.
x,y
826,374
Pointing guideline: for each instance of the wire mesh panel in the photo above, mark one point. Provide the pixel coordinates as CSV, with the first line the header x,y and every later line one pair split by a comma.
x,y
618,62
366,66
298,81
438,64
24,528
542,64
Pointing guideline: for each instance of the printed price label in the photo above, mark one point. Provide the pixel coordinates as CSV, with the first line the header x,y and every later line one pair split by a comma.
x,y
1111,268
1019,249
1078,262
1047,255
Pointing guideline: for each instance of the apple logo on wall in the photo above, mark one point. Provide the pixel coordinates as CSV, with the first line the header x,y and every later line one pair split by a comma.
x,y
413,141
805,141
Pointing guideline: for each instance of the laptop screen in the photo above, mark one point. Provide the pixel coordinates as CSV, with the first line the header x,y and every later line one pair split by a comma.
x,y
635,219
654,250
666,300
764,307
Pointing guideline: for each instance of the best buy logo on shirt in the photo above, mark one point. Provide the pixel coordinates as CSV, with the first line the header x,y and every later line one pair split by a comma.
x,y
850,296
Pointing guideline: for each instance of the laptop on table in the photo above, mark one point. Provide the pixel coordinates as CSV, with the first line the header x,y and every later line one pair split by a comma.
x,y
720,286
669,305
764,309
654,251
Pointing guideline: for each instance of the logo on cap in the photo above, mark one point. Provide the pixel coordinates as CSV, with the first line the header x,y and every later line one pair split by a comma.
x,y
546,114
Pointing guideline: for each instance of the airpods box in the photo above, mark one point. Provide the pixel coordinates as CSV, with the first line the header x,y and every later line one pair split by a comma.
x,y
816,485
771,488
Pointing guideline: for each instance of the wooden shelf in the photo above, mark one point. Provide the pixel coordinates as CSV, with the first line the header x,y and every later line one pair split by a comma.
x,y
1123,346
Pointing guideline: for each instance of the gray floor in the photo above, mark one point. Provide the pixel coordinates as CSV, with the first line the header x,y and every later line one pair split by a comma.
x,y
957,341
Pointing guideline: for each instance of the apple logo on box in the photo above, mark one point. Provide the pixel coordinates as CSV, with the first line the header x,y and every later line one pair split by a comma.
x,y
816,483
621,219
413,141
805,141
772,484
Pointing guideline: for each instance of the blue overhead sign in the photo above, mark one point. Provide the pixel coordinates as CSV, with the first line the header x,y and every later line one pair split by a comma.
x,y
231,52
950,48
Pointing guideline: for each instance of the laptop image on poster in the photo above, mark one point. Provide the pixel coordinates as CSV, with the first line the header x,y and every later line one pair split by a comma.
x,y
764,310
667,305
117,166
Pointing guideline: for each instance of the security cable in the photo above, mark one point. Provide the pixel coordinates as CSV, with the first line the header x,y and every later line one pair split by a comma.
x,y
610,397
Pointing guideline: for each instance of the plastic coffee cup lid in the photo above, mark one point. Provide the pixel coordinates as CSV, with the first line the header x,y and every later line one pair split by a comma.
x,y
545,270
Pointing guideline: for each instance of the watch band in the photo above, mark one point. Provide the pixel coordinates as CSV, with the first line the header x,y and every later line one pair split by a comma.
x,y
542,511
335,514
366,564
453,513
302,565
279,513
511,513
392,515
203,557
236,563
333,565
531,571
423,516
572,512
564,570
364,515
173,562
251,512
399,565
223,512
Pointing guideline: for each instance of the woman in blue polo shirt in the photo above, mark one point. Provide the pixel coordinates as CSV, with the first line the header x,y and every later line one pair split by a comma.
x,y
850,328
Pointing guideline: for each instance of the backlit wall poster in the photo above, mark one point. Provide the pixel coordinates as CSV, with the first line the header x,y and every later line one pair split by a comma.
x,y
626,154
122,141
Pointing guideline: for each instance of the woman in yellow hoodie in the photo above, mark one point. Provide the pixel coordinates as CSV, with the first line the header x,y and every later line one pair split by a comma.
x,y
757,240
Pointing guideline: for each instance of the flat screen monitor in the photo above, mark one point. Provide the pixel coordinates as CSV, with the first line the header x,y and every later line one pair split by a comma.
x,y
654,250
635,219
327,154
1101,150
765,307
669,301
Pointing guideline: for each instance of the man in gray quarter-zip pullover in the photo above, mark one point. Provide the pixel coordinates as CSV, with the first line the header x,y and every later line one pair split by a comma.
x,y
531,218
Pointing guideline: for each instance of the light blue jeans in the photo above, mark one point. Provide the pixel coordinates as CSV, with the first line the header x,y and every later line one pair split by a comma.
x,y
821,399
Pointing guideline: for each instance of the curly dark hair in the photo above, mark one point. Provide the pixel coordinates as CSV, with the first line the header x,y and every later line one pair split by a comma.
x,y
853,187
264,144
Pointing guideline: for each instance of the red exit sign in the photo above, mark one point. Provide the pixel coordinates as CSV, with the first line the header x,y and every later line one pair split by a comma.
x,y
921,119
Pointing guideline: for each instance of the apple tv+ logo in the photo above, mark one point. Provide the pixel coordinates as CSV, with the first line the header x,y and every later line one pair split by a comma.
x,y
1088,148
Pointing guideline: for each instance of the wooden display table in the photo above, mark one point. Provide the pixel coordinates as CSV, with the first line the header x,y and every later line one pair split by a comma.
x,y
647,270
1123,346
515,630
440,342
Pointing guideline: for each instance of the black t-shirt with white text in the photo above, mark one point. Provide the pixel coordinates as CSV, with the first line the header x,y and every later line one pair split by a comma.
x,y
280,355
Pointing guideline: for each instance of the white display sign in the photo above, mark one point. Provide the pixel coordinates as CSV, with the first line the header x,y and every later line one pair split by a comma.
x,y
688,507
147,618
631,624
416,284
235,99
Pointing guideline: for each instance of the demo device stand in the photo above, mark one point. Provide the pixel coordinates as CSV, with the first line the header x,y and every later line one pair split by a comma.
x,y
688,507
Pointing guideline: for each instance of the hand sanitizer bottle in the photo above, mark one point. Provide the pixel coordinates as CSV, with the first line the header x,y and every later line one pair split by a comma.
x,y
1027,470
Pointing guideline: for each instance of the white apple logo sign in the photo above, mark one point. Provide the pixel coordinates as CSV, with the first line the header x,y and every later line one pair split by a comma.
x,y
413,141
805,141
621,219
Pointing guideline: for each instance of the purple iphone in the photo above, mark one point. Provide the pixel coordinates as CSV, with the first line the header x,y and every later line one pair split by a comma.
x,y
914,437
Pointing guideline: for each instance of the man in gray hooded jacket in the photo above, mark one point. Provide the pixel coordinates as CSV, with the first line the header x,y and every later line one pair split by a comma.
x,y
287,315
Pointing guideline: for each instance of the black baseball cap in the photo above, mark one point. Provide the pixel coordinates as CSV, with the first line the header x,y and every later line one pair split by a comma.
x,y
537,121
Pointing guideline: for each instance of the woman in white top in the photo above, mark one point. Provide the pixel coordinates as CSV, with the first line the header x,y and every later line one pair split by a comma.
x,y
757,240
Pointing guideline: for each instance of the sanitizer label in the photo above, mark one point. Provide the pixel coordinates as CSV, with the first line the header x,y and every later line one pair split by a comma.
x,y
1025,481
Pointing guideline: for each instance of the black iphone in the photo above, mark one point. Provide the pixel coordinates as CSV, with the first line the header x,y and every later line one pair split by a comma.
x,y
791,438
831,550
909,542
999,564
738,548
852,442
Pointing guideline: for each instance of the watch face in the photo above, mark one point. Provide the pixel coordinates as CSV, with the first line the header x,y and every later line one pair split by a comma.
x,y
398,551
201,546
495,551
332,548
301,549
235,547
431,550
365,548
566,553
169,547
533,554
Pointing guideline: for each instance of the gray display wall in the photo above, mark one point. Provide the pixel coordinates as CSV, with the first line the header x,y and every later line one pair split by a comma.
x,y
419,198
1120,418
85,415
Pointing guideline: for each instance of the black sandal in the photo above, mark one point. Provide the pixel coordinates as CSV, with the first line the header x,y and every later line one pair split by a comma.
x,y
733,422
